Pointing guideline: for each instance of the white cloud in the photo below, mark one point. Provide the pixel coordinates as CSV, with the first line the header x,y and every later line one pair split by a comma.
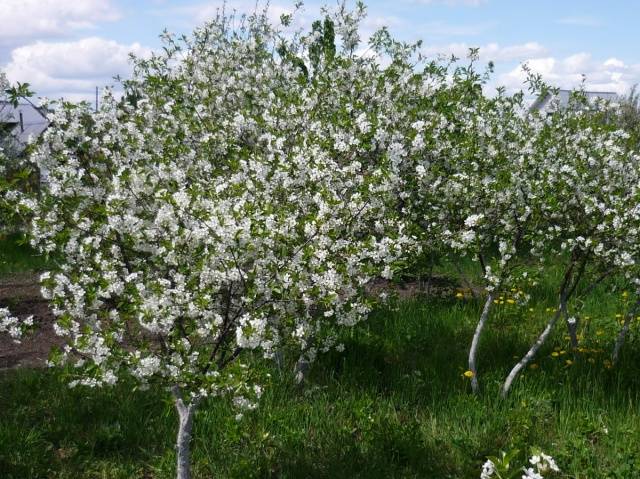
x,y
24,19
609,75
71,69
198,13
490,52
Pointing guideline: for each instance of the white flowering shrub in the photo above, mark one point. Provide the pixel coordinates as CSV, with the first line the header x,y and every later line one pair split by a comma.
x,y
238,198
589,202
540,465
13,190
476,190
517,191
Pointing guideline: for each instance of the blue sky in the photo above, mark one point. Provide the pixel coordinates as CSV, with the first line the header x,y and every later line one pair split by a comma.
x,y
67,47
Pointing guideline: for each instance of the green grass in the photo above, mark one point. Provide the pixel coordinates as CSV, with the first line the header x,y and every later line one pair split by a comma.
x,y
395,404
17,257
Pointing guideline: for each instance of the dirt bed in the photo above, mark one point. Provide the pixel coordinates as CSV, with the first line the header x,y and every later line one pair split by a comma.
x,y
21,293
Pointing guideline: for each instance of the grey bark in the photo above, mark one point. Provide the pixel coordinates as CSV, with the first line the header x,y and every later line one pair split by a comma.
x,y
185,428
568,287
531,353
572,329
623,333
300,370
473,351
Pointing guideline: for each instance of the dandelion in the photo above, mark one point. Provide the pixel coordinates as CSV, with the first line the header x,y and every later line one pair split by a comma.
x,y
468,374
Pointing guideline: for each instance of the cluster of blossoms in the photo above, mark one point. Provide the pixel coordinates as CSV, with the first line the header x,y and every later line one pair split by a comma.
x,y
499,468
249,184
233,204
231,201
11,195
13,326
518,190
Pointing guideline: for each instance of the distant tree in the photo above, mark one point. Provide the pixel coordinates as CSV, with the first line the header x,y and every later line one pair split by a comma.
x,y
628,115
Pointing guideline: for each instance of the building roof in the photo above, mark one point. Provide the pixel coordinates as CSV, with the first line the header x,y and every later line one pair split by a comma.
x,y
22,121
543,102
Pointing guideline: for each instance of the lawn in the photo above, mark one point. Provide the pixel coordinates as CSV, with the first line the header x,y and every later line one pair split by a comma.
x,y
394,404
17,257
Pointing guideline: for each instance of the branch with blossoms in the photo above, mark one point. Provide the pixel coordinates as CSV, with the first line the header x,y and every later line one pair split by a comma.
x,y
233,205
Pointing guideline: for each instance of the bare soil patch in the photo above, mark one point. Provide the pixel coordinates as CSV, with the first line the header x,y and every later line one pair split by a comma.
x,y
21,293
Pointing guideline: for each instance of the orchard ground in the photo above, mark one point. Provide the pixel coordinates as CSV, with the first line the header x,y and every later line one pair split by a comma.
x,y
396,403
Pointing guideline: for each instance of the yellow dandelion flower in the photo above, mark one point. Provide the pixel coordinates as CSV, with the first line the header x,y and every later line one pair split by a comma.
x,y
599,332
568,362
468,374
459,295
555,354
511,301
496,301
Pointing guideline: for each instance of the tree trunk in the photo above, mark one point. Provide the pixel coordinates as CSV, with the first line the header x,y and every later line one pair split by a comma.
x,y
620,339
623,332
185,426
531,353
300,369
474,343
572,329
568,287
